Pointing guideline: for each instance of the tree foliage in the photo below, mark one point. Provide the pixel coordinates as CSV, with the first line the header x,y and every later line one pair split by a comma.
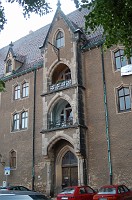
x,y
2,86
115,16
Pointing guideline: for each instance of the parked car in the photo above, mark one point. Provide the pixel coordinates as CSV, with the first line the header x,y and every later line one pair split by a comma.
x,y
22,195
76,192
16,187
113,192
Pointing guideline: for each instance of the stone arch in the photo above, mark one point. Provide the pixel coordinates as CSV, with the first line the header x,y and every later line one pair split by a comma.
x,y
58,165
56,98
55,65
56,138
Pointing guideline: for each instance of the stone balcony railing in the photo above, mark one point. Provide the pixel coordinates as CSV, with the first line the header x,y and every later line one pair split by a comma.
x,y
60,124
60,85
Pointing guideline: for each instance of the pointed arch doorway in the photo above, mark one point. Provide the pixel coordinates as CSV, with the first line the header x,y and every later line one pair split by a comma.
x,y
69,169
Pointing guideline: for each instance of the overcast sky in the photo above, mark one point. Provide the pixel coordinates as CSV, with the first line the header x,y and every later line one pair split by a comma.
x,y
17,26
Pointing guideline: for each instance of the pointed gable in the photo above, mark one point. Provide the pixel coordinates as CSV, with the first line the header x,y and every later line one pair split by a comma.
x,y
13,60
60,15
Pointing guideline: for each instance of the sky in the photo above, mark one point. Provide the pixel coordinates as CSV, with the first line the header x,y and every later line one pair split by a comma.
x,y
17,26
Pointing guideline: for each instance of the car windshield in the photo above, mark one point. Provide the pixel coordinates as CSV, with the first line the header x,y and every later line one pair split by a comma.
x,y
107,191
68,191
22,197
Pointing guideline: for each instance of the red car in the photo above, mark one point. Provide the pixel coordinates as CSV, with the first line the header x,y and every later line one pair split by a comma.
x,y
76,193
113,192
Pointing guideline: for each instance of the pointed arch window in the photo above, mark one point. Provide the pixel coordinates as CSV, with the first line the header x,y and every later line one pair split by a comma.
x,y
24,117
69,159
13,159
8,66
66,114
25,89
17,92
16,122
124,101
60,39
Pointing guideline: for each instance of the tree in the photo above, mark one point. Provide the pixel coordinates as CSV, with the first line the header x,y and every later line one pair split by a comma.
x,y
115,16
2,86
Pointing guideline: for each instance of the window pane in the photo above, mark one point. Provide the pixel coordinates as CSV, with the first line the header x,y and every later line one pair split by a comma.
x,y
25,89
118,63
128,103
117,54
24,120
121,102
121,52
123,61
121,92
126,91
60,40
16,122
17,92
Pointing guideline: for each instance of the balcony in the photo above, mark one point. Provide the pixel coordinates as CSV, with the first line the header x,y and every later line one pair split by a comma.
x,y
60,85
60,124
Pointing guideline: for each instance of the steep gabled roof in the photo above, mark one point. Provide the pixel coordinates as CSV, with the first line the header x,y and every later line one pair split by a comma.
x,y
73,26
28,46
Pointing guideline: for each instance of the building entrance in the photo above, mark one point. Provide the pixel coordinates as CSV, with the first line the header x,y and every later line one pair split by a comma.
x,y
69,170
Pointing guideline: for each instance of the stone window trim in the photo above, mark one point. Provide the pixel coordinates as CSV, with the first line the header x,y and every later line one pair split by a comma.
x,y
59,38
20,120
123,94
21,90
13,159
118,58
9,66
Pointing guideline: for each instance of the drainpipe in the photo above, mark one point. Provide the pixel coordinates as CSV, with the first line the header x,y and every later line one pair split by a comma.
x,y
33,133
106,118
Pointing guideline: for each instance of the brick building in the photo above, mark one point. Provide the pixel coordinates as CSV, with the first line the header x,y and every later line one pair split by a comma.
x,y
66,112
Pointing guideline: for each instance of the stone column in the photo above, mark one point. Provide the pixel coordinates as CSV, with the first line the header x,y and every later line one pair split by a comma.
x,y
48,185
80,170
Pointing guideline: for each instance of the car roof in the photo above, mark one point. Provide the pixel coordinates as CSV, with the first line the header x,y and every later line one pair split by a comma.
x,y
19,192
111,186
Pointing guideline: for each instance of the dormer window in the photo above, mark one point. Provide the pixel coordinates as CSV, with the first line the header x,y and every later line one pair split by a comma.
x,y
60,39
9,66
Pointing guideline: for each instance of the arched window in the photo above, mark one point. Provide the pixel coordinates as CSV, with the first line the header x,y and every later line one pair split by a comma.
x,y
124,102
16,122
69,159
66,114
24,117
17,92
8,66
12,159
60,39
25,89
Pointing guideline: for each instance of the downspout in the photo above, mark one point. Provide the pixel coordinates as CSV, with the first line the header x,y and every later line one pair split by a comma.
x,y
106,118
33,134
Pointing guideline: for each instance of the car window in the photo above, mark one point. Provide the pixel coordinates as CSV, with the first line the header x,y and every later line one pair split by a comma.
x,y
125,188
22,188
67,191
107,191
89,190
120,189
82,191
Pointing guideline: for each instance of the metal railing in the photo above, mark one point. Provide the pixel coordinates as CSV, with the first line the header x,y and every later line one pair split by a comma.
x,y
60,123
60,85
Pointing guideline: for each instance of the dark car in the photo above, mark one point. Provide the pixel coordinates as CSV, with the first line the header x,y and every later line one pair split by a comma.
x,y
22,195
76,192
17,187
113,192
